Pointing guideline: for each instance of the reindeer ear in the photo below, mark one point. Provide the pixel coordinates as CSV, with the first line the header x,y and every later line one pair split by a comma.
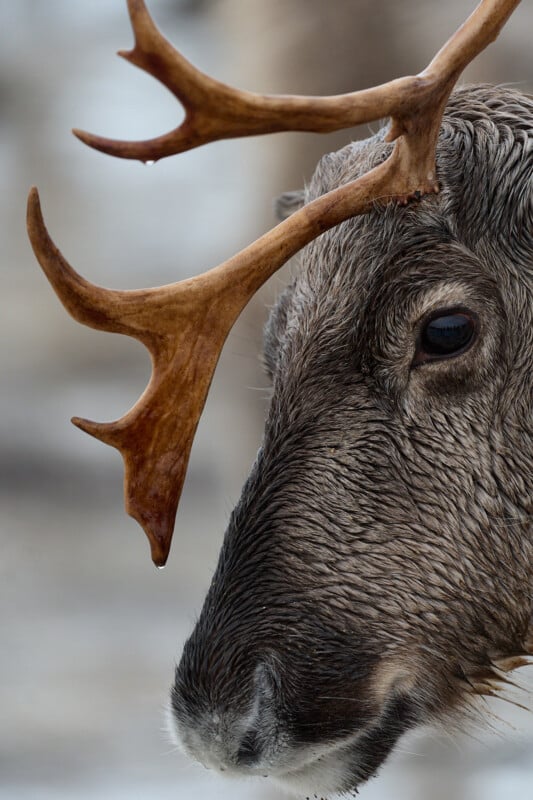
x,y
287,203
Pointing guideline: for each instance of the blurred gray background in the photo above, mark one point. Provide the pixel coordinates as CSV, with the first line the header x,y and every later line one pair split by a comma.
x,y
89,630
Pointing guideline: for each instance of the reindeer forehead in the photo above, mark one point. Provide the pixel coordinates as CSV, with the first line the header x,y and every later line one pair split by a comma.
x,y
381,263
363,295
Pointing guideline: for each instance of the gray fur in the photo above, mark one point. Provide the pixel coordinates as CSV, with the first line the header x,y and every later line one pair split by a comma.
x,y
379,562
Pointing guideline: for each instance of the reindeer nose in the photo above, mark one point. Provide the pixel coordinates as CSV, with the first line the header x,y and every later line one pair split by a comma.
x,y
242,735
250,749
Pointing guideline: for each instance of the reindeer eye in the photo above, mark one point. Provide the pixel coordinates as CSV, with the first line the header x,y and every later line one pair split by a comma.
x,y
446,334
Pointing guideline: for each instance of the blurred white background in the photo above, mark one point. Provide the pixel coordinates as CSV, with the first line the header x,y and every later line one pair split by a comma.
x,y
89,629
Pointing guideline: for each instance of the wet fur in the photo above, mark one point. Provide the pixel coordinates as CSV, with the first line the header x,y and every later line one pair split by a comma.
x,y
379,561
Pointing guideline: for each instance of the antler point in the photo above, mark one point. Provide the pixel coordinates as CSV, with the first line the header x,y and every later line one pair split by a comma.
x,y
159,532
159,555
105,432
128,55
34,202
82,135
112,147
83,424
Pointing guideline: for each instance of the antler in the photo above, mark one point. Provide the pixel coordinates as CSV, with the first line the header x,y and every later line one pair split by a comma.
x,y
215,111
184,325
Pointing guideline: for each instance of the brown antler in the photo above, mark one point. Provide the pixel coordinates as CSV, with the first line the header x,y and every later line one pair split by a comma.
x,y
214,110
184,325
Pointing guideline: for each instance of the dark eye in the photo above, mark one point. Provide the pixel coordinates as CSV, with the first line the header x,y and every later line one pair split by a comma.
x,y
445,335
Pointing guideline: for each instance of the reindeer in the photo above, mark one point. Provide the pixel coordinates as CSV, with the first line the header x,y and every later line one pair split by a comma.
x,y
376,573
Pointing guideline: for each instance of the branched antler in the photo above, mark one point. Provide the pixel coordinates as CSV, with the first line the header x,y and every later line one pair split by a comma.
x,y
184,325
215,111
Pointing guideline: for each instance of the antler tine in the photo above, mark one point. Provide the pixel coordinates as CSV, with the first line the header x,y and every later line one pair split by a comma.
x,y
472,37
89,304
184,325
215,111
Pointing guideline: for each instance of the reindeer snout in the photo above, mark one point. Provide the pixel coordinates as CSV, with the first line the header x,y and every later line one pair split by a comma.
x,y
251,748
236,734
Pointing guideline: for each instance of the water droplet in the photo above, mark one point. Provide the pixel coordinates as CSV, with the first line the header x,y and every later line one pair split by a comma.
x,y
149,163
160,566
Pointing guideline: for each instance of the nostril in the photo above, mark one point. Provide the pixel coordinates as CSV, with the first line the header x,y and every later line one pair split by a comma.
x,y
249,750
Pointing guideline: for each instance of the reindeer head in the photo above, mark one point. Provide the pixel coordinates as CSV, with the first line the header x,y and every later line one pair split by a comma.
x,y
376,571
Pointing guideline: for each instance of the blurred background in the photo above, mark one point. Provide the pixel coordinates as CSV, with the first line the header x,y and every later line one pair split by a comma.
x,y
89,630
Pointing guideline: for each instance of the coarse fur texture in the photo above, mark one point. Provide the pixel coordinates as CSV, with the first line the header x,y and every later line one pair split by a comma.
x,y
377,570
